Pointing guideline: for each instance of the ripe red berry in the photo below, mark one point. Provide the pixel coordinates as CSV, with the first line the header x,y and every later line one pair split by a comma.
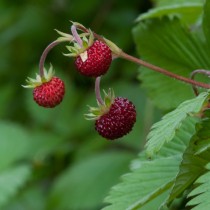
x,y
49,94
118,121
99,58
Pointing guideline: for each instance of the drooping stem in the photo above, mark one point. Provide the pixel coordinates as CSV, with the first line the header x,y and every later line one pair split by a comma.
x,y
44,55
198,71
76,36
151,66
97,91
163,71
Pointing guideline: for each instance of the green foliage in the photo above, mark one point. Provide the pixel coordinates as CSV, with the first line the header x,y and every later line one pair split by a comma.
x,y
200,195
54,159
171,45
205,22
163,131
153,176
193,164
182,136
54,141
14,139
160,3
188,11
100,169
11,180
144,184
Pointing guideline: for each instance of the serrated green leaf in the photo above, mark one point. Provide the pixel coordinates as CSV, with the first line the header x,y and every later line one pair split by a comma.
x,y
170,45
143,183
181,139
11,180
200,195
163,131
193,163
160,3
188,12
191,168
145,174
203,134
88,180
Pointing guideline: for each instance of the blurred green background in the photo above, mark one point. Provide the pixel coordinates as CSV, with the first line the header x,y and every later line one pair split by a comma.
x,y
53,158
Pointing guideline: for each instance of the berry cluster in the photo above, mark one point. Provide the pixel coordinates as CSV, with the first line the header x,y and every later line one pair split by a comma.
x,y
114,117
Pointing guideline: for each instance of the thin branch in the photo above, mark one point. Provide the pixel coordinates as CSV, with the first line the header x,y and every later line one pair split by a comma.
x,y
97,91
163,71
76,36
193,74
151,66
44,55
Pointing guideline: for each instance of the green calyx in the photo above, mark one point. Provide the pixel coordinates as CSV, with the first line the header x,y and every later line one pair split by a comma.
x,y
103,108
116,51
64,37
32,83
74,48
87,39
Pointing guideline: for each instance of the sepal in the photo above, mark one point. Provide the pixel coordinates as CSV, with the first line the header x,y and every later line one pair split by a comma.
x,y
32,83
64,37
96,112
74,48
113,47
78,25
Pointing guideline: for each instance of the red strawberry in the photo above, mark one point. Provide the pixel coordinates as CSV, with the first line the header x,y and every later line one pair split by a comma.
x,y
118,121
97,62
49,94
48,90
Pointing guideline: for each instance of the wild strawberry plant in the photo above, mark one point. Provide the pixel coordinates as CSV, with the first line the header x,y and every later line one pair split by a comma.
x,y
172,172
175,162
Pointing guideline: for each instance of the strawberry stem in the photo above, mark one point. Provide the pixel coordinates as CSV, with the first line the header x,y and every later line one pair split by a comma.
x,y
163,71
76,36
97,91
44,55
198,71
151,66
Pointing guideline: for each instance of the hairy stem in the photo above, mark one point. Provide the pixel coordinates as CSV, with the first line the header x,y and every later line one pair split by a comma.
x,y
151,66
44,55
198,71
97,91
163,71
76,36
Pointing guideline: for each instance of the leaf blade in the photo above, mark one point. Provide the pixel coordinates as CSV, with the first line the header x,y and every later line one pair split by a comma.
x,y
170,45
163,131
11,180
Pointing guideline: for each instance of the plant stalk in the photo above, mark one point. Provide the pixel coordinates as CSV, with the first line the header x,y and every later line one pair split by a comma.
x,y
44,55
76,36
151,66
97,91
163,71
198,71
